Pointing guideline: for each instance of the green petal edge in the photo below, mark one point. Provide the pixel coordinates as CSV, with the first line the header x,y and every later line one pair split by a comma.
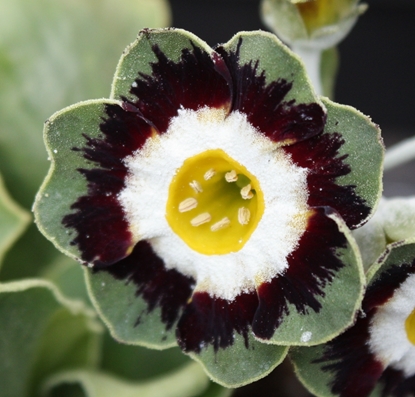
x,y
238,365
359,133
277,61
345,292
63,184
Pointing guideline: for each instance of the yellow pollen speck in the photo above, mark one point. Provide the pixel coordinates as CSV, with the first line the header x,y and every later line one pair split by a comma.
x,y
224,222
231,176
209,174
246,192
201,219
243,215
188,204
195,185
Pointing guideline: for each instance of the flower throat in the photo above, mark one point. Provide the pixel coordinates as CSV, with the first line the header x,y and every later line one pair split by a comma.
x,y
214,203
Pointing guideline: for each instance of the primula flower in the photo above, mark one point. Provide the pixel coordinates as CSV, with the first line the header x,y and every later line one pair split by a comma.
x,y
210,196
376,356
311,23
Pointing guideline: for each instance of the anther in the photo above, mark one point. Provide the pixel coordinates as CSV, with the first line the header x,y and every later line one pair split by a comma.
x,y
188,204
244,215
231,176
195,185
209,174
224,222
201,219
246,192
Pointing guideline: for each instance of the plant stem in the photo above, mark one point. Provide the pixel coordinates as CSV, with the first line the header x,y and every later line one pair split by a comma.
x,y
400,153
312,60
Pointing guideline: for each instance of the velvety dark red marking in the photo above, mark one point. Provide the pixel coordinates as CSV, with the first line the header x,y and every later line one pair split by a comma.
x,y
195,81
208,320
264,104
103,235
310,267
394,384
383,287
356,369
320,155
158,286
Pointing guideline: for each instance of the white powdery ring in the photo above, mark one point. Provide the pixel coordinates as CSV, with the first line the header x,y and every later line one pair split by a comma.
x,y
284,187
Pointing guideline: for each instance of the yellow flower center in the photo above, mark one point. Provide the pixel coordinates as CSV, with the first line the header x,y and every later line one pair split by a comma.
x,y
319,13
410,327
214,203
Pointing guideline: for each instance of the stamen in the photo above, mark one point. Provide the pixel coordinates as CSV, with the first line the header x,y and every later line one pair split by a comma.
x,y
244,215
195,185
246,192
200,219
188,204
209,174
225,222
231,176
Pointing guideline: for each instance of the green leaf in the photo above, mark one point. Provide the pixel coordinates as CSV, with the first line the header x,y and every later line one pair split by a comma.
x,y
62,52
52,54
13,221
68,276
358,132
238,365
42,332
132,362
186,382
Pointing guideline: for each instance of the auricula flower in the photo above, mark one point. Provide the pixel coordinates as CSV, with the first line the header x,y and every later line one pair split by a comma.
x,y
376,357
211,197
311,23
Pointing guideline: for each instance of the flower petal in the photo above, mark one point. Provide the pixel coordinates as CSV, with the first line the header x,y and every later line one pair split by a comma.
x,y
149,298
339,176
103,234
167,70
309,303
352,364
271,89
213,321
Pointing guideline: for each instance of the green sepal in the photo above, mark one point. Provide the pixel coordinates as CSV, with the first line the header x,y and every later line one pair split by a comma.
x,y
186,382
42,332
238,365
342,298
358,132
13,221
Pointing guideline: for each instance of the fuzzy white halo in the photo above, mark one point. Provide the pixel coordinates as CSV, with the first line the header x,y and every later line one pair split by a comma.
x,y
388,338
283,184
